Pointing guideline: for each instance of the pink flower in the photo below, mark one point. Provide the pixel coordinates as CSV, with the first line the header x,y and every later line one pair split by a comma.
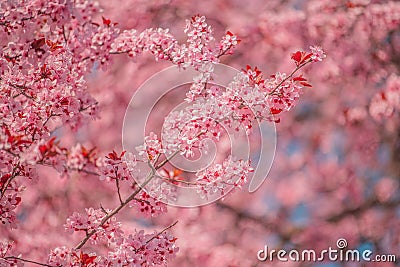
x,y
379,107
148,206
110,232
317,53
151,149
219,178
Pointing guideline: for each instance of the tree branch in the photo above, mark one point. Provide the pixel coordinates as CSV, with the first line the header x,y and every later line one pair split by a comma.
x,y
28,261
290,76
116,210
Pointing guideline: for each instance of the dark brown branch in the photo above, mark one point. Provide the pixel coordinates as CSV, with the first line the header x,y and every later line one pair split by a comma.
x,y
14,174
118,190
371,203
28,261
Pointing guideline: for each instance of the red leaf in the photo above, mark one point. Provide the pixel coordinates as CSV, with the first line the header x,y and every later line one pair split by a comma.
x,y
51,141
7,131
300,78
177,172
308,56
21,142
4,179
18,199
53,46
305,84
275,111
112,155
43,68
106,21
87,153
300,57
349,4
45,149
86,259
297,57
194,17
84,152
42,149
11,139
64,101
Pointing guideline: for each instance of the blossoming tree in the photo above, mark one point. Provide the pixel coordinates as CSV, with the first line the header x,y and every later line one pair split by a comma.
x,y
65,63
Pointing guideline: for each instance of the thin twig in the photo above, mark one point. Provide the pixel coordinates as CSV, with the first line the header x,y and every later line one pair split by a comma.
x,y
118,190
29,261
142,200
22,90
160,233
290,76
223,52
116,210
103,209
14,174
166,160
64,35
175,180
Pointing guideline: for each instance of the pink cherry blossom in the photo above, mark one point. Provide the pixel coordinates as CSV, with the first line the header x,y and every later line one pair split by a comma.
x,y
67,71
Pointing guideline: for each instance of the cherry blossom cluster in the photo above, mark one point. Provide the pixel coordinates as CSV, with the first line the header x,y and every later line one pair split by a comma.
x,y
115,167
203,53
5,259
10,198
119,167
8,204
185,129
143,249
200,50
42,85
107,232
4,248
51,153
228,42
148,205
43,75
200,36
63,256
384,17
80,158
354,115
221,178
158,41
246,99
152,148
385,103
161,190
139,249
